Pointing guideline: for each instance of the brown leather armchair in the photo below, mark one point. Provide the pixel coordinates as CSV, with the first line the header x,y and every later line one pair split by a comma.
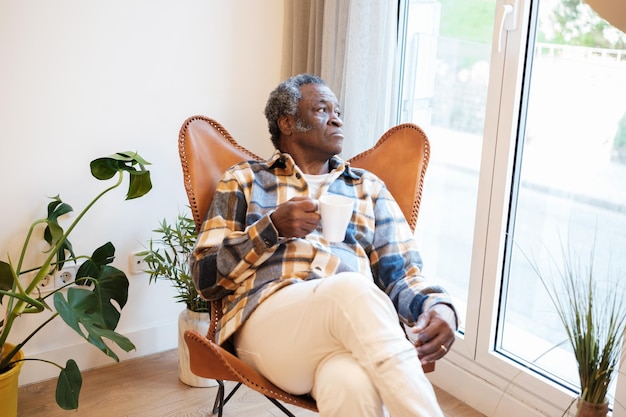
x,y
400,158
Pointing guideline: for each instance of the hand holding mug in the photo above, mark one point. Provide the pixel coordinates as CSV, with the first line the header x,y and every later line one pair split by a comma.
x,y
296,218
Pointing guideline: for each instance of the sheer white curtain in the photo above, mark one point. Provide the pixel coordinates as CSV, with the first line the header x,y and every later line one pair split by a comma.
x,y
351,44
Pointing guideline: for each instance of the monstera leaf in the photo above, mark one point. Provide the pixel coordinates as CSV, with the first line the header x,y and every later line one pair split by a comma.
x,y
105,168
68,386
92,314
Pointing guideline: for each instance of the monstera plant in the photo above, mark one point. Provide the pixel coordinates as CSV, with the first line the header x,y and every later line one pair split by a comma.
x,y
91,305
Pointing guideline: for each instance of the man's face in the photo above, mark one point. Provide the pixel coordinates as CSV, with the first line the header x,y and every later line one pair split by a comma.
x,y
318,126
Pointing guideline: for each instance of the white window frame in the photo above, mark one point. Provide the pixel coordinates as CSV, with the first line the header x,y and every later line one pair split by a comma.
x,y
473,371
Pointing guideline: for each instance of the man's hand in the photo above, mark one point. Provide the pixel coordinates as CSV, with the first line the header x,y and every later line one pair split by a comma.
x,y
296,218
435,329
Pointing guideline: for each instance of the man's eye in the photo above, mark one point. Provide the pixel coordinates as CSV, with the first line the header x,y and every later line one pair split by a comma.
x,y
338,113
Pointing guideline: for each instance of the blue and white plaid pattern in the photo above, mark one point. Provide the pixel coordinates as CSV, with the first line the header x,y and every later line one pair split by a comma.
x,y
240,257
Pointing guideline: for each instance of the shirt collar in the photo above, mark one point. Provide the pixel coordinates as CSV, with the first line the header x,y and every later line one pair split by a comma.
x,y
284,161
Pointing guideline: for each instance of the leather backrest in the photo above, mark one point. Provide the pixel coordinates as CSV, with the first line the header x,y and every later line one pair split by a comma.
x,y
400,158
206,151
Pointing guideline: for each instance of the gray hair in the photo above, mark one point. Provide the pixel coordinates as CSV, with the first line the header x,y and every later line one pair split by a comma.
x,y
283,101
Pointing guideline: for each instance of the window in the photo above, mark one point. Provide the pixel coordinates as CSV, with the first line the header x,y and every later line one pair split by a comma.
x,y
570,182
528,138
445,80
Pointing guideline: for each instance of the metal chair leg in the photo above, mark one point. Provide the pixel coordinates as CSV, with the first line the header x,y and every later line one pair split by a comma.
x,y
220,401
232,392
218,405
280,406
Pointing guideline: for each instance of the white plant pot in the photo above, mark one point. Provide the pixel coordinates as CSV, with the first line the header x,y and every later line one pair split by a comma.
x,y
190,320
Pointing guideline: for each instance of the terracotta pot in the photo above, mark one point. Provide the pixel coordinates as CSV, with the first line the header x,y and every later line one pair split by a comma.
x,y
8,386
586,409
191,320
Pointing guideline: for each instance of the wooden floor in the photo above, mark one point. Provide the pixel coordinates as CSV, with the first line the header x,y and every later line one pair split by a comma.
x,y
149,387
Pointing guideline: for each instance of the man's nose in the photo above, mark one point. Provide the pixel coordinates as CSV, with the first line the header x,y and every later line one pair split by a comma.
x,y
336,120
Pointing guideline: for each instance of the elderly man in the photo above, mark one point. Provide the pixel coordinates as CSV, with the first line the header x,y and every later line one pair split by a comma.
x,y
315,316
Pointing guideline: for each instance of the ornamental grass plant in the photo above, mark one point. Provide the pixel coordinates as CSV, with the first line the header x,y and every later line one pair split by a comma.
x,y
592,310
167,257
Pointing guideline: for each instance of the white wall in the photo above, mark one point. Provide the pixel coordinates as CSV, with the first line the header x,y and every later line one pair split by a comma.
x,y
82,79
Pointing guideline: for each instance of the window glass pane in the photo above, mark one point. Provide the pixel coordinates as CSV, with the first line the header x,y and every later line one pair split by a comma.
x,y
446,72
571,178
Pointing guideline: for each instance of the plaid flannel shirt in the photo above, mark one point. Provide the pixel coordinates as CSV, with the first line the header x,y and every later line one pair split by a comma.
x,y
240,257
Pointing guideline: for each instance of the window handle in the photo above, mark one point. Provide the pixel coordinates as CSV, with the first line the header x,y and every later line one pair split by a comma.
x,y
507,19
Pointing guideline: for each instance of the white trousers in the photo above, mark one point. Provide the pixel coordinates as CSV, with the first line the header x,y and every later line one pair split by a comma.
x,y
339,339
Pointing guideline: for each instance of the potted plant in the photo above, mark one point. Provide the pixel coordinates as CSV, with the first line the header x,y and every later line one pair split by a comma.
x,y
167,259
94,300
592,310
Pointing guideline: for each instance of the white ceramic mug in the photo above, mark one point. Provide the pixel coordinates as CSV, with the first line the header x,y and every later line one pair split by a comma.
x,y
336,212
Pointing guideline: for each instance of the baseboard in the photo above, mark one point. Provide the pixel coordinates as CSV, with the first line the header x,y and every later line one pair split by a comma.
x,y
147,341
474,389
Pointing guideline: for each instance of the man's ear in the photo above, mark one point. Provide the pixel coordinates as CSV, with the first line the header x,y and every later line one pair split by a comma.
x,y
285,124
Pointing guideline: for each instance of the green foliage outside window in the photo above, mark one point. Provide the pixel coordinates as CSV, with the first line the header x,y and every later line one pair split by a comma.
x,y
571,23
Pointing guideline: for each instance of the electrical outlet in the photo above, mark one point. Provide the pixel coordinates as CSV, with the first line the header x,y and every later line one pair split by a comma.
x,y
57,279
65,276
47,284
137,263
